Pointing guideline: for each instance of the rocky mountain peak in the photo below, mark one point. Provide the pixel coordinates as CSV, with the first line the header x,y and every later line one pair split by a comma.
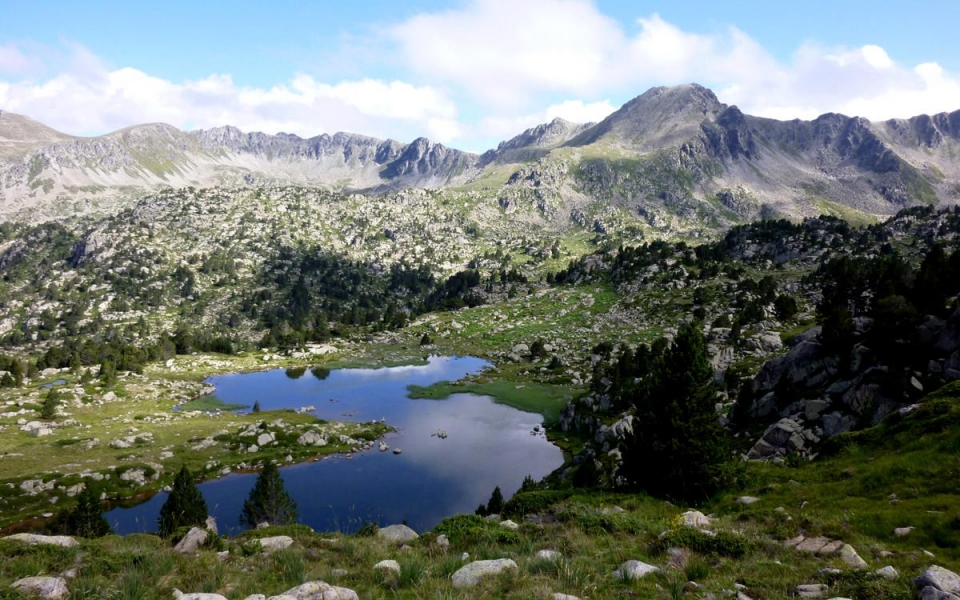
x,y
20,134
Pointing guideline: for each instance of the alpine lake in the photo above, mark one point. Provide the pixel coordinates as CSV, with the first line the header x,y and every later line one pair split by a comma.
x,y
452,452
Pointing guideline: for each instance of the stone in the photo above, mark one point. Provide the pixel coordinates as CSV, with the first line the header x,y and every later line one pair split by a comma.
x,y
265,438
813,409
397,533
442,541
47,540
471,574
317,590
199,596
521,349
812,590
211,525
387,565
695,518
813,544
850,557
747,500
940,579
191,542
559,596
311,438
903,531
932,593
47,588
274,543
549,555
509,525
888,572
634,569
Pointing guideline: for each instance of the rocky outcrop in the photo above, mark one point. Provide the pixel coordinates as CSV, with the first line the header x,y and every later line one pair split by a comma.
x,y
46,588
397,533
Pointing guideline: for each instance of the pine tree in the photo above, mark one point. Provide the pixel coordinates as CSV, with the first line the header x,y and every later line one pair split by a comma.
x,y
51,402
185,505
268,500
256,406
678,447
86,518
495,504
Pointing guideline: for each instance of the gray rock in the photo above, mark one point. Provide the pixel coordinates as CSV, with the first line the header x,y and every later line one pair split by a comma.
x,y
812,590
211,525
521,349
470,574
317,590
849,556
397,533
47,588
509,525
442,541
387,565
191,542
888,572
747,500
903,531
813,409
198,596
274,543
939,578
932,593
695,518
47,540
549,555
634,569
559,596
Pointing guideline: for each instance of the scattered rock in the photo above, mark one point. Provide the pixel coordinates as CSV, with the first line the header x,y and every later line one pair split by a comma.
x,y
747,500
849,556
903,531
634,569
470,574
695,518
397,533
191,542
509,525
940,579
47,588
387,565
558,596
888,572
317,590
549,555
812,590
49,540
274,543
197,596
442,541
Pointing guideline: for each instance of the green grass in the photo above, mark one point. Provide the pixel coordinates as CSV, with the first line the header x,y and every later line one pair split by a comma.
x,y
210,403
547,400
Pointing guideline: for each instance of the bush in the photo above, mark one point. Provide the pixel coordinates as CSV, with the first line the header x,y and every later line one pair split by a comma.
x,y
469,530
525,503
85,519
723,543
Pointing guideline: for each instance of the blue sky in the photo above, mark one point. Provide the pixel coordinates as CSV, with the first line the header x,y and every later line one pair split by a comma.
x,y
468,73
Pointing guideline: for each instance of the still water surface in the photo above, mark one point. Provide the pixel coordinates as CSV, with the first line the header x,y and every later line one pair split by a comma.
x,y
488,445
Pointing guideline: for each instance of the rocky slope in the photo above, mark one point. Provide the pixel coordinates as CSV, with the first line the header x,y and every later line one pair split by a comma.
x,y
677,157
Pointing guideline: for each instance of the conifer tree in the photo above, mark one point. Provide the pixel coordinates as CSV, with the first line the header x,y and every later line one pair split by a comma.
x,y
51,402
678,447
268,500
495,504
86,518
185,505
256,406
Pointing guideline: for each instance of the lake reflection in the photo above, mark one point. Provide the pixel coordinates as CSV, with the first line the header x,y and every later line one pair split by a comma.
x,y
487,445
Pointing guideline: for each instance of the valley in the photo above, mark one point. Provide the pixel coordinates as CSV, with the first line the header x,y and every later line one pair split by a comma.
x,y
789,289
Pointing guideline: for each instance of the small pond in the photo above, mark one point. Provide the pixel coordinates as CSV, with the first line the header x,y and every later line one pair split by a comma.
x,y
488,445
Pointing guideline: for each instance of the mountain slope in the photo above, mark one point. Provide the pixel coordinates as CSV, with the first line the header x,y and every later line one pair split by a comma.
x,y
677,157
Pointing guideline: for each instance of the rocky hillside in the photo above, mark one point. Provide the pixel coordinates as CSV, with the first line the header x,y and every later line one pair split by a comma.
x,y
677,157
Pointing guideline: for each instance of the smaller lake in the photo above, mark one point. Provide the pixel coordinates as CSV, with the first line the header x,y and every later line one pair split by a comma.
x,y
488,445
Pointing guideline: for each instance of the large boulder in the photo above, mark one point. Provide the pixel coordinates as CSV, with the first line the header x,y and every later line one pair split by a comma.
x,y
47,588
387,565
317,590
634,569
191,542
940,579
397,533
471,574
43,540
277,542
178,595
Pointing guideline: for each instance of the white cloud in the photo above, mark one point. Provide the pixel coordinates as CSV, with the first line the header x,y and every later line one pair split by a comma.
x,y
512,55
90,98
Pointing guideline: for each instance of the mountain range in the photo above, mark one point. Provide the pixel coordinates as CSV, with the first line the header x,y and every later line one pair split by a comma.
x,y
669,152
